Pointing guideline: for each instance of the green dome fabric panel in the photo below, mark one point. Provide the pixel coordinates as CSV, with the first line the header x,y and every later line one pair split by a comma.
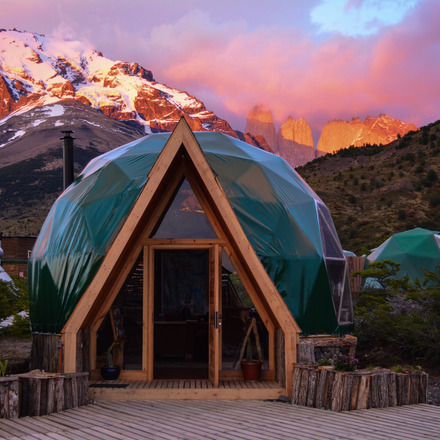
x,y
287,224
414,249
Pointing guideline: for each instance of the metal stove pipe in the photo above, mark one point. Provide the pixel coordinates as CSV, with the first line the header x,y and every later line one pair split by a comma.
x,y
68,171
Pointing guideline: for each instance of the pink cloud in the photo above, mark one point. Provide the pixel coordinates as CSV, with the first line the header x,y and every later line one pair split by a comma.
x,y
233,55
396,72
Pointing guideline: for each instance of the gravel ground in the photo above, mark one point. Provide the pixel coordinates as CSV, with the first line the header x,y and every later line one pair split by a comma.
x,y
18,351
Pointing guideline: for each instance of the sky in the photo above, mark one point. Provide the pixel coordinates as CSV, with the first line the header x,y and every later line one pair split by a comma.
x,y
317,59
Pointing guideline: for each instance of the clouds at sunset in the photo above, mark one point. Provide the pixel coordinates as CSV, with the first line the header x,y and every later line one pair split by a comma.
x,y
238,54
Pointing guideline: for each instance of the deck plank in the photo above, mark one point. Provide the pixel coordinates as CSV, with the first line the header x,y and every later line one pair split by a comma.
x,y
224,420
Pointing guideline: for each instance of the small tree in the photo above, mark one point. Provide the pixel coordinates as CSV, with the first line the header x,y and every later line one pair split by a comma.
x,y
397,320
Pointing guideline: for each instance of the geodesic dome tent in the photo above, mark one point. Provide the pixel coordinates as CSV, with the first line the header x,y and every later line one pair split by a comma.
x,y
415,250
288,226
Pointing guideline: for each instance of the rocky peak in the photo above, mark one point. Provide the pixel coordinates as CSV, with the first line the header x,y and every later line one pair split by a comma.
x,y
296,131
294,141
38,70
342,134
260,123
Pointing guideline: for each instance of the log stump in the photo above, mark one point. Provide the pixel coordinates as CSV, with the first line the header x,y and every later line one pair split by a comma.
x,y
46,393
9,397
326,388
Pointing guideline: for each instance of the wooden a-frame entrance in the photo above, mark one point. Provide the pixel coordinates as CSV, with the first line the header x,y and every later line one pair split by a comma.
x,y
182,158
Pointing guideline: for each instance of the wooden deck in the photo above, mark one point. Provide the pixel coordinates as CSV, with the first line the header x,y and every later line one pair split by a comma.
x,y
224,420
184,389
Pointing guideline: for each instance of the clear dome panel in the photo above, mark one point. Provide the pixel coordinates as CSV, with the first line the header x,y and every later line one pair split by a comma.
x,y
339,286
345,315
185,217
330,240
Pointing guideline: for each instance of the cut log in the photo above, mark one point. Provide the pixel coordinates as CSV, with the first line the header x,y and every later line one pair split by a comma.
x,y
321,389
337,392
311,388
346,392
9,397
363,392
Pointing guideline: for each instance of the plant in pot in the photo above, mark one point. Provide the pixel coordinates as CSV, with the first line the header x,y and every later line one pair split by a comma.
x,y
251,368
110,371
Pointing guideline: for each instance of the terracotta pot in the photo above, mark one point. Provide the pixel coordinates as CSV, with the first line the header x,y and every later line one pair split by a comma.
x,y
251,370
110,373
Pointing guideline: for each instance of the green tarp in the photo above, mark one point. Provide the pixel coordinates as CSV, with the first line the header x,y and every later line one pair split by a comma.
x,y
414,249
288,225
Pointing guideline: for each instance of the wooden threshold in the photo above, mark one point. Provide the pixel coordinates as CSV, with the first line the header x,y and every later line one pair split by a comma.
x,y
184,389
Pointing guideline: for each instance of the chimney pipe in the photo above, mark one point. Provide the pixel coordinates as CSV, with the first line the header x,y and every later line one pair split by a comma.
x,y
67,158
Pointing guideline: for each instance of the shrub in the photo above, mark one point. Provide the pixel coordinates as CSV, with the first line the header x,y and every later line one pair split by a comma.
x,y
434,199
401,214
3,366
352,199
398,322
14,297
431,175
21,326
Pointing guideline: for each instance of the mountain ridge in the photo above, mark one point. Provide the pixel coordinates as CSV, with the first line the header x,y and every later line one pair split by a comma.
x,y
35,70
294,140
375,191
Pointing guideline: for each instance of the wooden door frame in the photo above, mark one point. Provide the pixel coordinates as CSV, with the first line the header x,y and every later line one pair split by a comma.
x,y
150,247
215,247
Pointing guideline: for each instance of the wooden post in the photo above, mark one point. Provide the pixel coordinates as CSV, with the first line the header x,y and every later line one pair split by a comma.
x,y
337,392
392,389
69,352
321,388
346,394
312,384
9,397
423,388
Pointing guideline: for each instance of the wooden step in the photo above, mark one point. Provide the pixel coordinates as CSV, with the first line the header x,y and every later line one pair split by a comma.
x,y
185,390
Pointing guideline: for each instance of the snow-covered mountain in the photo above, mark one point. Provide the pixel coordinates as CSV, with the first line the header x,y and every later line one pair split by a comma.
x,y
36,71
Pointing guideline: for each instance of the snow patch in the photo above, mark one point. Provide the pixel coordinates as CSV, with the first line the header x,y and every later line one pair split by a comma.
x,y
91,123
37,122
4,276
18,133
7,322
56,110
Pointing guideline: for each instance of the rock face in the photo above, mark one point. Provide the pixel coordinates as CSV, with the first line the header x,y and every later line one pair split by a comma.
x,y
37,71
260,123
342,134
294,141
296,131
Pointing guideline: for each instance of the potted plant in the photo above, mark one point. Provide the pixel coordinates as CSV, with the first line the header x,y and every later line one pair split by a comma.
x,y
110,371
251,368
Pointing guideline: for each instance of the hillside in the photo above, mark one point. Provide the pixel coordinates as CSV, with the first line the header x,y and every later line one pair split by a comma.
x,y
375,191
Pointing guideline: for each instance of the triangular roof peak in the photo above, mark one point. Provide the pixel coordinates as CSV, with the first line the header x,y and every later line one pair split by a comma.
x,y
182,156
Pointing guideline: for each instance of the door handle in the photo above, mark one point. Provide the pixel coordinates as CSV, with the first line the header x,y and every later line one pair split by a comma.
x,y
216,319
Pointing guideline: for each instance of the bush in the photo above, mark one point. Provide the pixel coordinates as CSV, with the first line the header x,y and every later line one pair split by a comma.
x,y
431,175
434,199
399,320
14,297
401,214
21,326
